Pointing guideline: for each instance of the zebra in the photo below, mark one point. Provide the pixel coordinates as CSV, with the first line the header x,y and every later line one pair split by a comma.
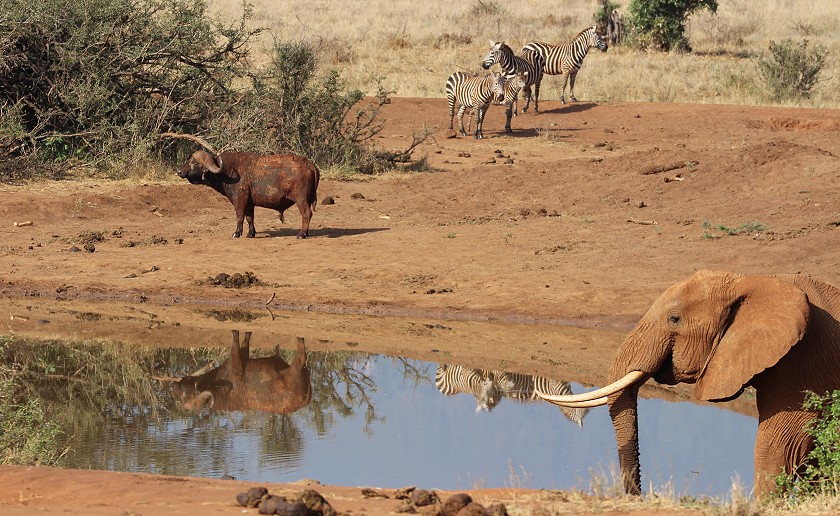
x,y
509,89
454,379
528,61
525,387
474,92
567,59
505,92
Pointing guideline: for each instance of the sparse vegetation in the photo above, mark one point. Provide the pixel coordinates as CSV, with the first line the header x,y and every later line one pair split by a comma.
x,y
713,231
790,71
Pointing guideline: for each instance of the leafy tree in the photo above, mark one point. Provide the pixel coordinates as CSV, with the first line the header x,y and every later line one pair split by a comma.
x,y
89,79
660,24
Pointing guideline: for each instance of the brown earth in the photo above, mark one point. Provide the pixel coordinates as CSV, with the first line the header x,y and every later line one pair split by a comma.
x,y
537,258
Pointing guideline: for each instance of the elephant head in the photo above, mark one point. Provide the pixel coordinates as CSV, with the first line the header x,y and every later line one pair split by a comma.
x,y
268,384
723,332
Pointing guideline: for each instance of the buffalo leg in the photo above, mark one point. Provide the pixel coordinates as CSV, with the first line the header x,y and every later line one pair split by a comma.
x,y
239,354
249,216
305,217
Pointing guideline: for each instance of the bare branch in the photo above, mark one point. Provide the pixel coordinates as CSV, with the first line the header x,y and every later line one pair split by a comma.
x,y
193,138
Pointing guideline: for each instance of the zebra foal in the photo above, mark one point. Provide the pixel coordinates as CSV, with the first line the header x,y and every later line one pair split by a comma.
x,y
528,62
474,92
567,59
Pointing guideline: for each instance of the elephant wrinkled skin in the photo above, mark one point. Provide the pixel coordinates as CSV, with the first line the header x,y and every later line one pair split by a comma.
x,y
268,384
724,332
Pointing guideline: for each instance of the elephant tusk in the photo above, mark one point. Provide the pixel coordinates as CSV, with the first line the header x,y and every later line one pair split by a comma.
x,y
621,384
557,400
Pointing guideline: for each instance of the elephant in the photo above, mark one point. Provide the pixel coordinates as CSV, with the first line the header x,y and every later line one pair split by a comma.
x,y
267,384
724,332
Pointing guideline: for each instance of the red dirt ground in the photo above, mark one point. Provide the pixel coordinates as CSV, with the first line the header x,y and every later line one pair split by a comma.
x,y
567,244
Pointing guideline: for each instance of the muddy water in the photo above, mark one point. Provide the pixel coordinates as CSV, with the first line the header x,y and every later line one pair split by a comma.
x,y
349,416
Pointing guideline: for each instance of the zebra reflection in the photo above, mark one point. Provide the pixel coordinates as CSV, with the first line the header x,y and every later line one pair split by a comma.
x,y
454,379
524,388
489,388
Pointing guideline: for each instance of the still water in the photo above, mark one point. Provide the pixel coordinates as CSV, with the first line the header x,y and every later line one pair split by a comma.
x,y
375,420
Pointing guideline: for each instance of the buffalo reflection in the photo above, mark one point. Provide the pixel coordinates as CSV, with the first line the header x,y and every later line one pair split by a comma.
x,y
267,384
490,386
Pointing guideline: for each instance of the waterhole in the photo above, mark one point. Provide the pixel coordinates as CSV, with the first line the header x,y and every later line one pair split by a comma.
x,y
345,416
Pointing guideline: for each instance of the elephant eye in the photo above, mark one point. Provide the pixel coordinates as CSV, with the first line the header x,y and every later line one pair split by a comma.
x,y
674,319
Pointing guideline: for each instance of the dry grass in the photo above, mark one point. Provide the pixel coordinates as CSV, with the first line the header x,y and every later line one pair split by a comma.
x,y
367,40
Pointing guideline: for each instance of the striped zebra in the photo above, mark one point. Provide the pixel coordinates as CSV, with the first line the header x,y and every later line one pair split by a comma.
x,y
529,62
506,91
454,379
475,92
525,387
510,89
567,59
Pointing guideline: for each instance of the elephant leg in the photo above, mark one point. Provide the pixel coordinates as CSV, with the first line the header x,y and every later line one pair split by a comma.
x,y
781,445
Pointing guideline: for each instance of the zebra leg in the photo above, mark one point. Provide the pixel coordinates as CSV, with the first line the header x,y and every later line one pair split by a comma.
x,y
508,116
461,119
479,121
451,102
537,97
563,91
572,76
526,92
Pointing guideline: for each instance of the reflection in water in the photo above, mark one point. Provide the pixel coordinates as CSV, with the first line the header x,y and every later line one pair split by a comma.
x,y
490,386
371,420
268,384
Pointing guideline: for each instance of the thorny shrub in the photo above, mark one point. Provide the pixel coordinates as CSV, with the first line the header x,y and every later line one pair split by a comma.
x,y
790,70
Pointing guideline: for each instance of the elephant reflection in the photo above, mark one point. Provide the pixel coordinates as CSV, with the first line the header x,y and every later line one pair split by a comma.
x,y
489,387
268,384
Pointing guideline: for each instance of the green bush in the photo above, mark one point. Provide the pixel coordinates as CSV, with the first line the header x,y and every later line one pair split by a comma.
x,y
791,70
316,116
660,24
95,82
97,79
820,474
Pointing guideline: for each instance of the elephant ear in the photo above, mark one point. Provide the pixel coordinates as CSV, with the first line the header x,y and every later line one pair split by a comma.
x,y
767,317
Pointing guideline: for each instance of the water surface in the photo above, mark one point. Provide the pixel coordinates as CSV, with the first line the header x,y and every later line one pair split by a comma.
x,y
376,420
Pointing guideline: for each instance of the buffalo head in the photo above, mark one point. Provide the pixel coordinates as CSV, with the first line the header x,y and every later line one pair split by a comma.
x,y
200,162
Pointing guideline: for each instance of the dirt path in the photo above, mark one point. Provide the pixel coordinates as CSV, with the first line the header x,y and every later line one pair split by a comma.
x,y
599,208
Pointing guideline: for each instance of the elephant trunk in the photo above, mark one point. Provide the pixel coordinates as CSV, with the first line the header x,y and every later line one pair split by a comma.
x,y
624,414
646,349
